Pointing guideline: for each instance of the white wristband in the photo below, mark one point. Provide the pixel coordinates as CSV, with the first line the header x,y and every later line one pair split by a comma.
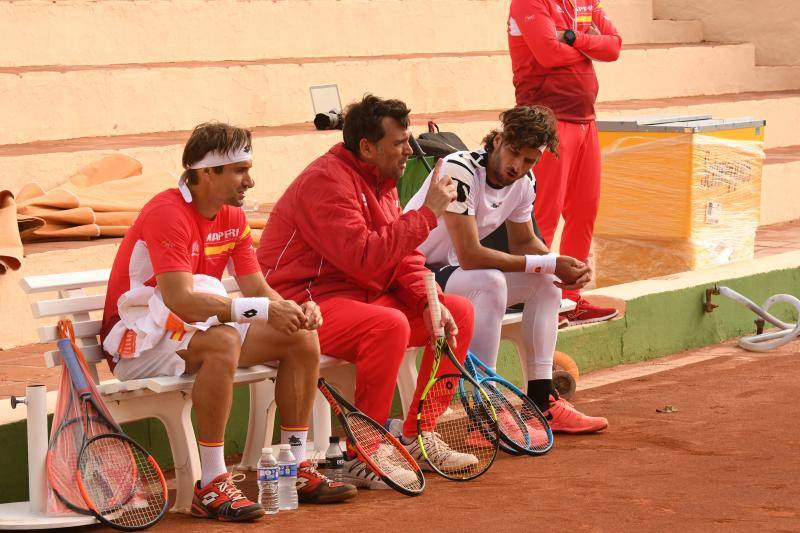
x,y
249,309
540,264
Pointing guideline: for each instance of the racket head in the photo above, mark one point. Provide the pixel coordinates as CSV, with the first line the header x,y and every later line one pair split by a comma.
x,y
375,446
62,457
454,411
121,483
523,427
384,454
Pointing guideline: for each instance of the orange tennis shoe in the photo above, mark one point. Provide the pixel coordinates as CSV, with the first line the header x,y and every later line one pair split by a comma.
x,y
564,418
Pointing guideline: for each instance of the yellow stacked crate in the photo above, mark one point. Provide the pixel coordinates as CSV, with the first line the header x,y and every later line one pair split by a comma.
x,y
678,194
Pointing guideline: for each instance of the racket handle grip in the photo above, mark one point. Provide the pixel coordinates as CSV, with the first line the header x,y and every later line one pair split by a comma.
x,y
434,307
73,367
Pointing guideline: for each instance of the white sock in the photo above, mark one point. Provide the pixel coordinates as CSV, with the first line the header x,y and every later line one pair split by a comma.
x,y
212,462
295,437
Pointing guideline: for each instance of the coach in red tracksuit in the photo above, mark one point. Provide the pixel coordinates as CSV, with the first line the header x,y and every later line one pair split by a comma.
x,y
338,237
553,44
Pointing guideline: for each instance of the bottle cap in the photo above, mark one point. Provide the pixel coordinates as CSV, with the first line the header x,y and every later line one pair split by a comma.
x,y
284,447
266,450
333,440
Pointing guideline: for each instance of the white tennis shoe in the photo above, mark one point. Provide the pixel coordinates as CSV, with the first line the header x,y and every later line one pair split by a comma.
x,y
359,474
440,453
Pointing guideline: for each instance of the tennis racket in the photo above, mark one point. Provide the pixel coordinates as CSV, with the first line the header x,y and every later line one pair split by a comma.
x,y
375,446
118,481
64,448
523,427
456,423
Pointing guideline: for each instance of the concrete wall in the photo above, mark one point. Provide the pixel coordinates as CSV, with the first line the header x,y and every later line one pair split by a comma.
x,y
771,25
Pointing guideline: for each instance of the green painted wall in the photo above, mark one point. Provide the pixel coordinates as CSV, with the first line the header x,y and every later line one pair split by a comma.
x,y
666,323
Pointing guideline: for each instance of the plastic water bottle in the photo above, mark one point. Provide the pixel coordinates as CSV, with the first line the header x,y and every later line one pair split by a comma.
x,y
268,481
334,460
287,479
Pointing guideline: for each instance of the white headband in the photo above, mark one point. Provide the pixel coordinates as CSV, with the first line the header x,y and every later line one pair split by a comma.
x,y
542,148
217,159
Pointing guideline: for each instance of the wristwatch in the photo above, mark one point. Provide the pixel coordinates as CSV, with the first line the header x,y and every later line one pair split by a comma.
x,y
569,37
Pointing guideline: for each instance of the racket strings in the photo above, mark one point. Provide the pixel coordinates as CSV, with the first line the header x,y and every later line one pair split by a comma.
x,y
120,481
62,459
391,461
509,422
459,435
540,437
535,429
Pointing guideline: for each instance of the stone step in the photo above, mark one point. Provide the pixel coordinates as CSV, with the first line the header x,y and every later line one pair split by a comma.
x,y
780,185
180,31
281,152
118,100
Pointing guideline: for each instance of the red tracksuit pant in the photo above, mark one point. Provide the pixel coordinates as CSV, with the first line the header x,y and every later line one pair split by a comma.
x,y
374,336
570,186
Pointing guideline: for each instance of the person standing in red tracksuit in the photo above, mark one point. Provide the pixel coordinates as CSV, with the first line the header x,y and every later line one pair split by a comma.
x,y
553,44
338,237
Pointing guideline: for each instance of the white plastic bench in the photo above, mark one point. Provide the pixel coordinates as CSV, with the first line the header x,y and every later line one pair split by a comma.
x,y
166,398
169,398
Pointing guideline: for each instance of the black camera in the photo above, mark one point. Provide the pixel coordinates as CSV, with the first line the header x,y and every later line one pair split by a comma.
x,y
329,121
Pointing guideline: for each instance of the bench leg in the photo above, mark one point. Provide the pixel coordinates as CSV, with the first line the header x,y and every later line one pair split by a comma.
x,y
183,443
321,422
260,424
513,333
407,379
174,411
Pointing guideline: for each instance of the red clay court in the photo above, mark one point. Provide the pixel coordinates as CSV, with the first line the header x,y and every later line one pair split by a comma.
x,y
725,460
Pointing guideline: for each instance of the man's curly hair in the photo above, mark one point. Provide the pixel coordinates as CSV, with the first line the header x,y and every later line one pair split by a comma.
x,y
526,127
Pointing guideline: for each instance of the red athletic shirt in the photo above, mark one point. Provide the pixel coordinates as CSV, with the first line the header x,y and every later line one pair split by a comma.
x,y
169,235
554,74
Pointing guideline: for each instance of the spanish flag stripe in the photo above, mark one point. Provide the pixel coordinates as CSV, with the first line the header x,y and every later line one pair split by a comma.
x,y
219,249
245,233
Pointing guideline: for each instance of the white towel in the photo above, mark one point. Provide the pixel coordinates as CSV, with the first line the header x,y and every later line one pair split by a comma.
x,y
145,320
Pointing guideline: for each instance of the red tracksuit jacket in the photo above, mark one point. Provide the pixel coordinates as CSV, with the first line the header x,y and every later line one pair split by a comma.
x,y
554,74
337,232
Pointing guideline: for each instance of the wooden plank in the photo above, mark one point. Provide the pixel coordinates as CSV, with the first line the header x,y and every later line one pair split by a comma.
x,y
89,329
243,375
513,318
93,355
65,281
68,306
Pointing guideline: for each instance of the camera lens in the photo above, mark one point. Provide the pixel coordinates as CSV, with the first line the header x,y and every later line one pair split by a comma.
x,y
328,121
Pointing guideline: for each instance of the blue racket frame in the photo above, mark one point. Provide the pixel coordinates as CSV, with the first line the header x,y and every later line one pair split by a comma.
x,y
485,376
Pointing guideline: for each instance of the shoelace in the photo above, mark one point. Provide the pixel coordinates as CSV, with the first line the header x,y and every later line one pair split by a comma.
x,y
229,488
441,448
314,472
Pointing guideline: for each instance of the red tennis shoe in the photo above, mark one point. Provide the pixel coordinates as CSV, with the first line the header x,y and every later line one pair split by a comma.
x,y
586,313
222,499
314,487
